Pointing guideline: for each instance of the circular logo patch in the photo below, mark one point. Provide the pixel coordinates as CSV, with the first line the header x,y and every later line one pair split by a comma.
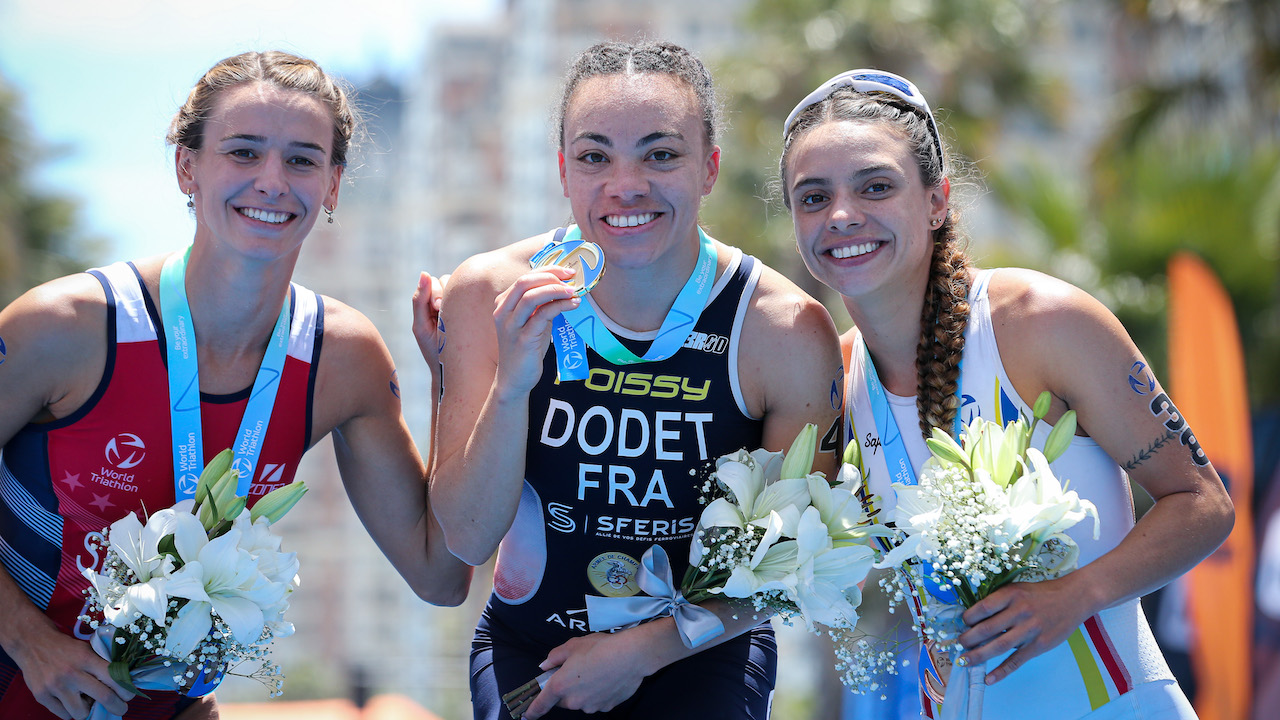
x,y
613,574
187,483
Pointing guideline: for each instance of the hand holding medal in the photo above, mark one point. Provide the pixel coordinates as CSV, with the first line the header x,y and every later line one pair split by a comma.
x,y
576,330
582,256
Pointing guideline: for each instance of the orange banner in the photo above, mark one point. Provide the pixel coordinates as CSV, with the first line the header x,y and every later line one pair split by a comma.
x,y
1207,381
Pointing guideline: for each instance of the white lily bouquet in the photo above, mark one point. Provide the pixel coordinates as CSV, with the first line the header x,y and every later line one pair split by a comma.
x,y
197,590
784,538
774,535
987,511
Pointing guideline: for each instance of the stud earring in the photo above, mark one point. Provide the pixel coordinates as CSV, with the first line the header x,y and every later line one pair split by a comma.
x,y
934,222
329,212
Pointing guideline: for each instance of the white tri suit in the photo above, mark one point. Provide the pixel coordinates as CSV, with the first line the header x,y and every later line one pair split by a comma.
x,y
613,466
1110,667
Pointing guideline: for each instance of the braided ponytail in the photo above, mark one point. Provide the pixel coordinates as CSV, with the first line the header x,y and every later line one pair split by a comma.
x,y
942,324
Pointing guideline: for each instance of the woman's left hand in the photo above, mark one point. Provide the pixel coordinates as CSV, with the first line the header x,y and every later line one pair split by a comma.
x,y
1028,617
594,673
427,301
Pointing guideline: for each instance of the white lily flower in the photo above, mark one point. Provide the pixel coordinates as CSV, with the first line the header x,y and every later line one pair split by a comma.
x,y
121,603
917,507
138,546
225,579
1057,556
757,495
770,563
846,519
1038,506
908,549
257,539
825,582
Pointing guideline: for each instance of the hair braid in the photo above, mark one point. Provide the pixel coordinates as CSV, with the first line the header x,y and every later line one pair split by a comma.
x,y
942,324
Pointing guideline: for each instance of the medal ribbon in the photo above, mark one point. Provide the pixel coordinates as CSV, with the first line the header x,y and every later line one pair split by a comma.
x,y
891,442
184,387
572,328
900,469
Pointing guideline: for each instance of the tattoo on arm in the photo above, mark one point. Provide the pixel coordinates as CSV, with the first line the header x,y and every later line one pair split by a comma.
x,y
1152,449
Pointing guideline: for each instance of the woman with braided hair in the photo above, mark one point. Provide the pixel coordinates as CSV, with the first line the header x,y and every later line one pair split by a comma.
x,y
864,174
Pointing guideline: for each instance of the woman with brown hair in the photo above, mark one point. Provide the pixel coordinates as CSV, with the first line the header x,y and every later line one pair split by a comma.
x,y
120,383
937,341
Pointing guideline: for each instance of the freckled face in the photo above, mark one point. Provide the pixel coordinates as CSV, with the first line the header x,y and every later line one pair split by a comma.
x,y
636,164
263,175
861,212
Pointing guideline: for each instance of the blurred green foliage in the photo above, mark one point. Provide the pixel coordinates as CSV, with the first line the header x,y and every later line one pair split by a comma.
x,y
37,229
1182,152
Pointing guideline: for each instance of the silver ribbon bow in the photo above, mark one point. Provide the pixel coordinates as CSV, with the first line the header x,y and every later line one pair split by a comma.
x,y
696,624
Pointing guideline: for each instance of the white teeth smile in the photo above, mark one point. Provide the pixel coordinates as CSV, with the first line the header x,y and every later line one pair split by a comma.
x,y
629,220
265,216
841,253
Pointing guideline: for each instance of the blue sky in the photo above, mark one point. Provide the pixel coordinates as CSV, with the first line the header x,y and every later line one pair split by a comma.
x,y
100,81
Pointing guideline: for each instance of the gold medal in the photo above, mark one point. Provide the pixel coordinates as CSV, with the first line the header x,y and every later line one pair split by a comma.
x,y
613,574
581,255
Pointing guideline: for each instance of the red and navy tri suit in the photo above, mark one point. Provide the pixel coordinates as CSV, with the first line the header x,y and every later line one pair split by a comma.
x,y
614,465
63,482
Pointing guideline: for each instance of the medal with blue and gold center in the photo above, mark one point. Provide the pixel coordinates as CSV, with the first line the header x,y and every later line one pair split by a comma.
x,y
583,256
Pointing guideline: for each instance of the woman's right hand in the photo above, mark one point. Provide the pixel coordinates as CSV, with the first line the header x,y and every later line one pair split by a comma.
x,y
522,316
67,677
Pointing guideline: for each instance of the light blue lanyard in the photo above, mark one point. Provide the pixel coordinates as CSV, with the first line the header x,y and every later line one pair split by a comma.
x,y
184,387
891,441
895,456
572,328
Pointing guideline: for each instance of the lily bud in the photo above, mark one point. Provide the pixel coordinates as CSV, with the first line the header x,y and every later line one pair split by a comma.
x,y
212,472
1060,439
853,453
1041,407
276,503
1005,457
946,449
234,508
799,459
220,496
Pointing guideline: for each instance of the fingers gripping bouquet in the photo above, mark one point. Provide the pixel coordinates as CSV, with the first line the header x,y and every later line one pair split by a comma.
x,y
773,537
987,511
197,590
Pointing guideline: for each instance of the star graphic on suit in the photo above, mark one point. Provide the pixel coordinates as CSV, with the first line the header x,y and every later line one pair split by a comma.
x,y
101,502
72,481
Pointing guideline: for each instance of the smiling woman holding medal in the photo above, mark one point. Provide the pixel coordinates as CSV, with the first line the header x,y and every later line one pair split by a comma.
x,y
937,341
576,428
119,384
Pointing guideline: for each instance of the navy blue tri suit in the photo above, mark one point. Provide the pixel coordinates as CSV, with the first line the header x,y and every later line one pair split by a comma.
x,y
613,466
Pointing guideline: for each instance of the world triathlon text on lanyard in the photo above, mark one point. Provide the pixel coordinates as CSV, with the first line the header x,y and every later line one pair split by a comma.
x,y
891,441
184,387
572,328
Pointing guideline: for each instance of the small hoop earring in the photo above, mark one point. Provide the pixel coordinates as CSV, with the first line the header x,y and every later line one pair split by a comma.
x,y
191,198
329,212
